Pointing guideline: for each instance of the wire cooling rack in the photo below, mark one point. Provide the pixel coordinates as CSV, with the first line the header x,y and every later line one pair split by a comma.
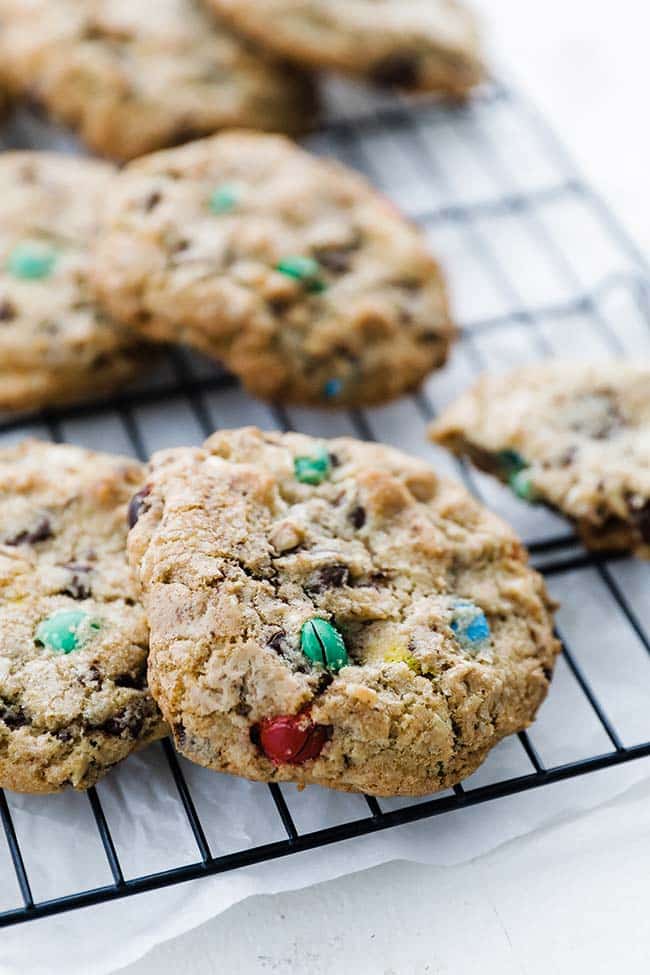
x,y
539,267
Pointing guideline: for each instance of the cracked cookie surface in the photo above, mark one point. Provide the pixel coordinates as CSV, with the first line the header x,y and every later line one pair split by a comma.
x,y
74,699
414,44
133,76
56,345
332,612
573,435
304,280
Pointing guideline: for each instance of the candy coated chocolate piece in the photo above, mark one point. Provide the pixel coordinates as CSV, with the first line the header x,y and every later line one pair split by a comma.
x,y
313,470
323,644
291,739
65,630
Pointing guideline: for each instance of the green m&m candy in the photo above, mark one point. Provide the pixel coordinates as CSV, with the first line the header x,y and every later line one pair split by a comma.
x,y
31,260
522,484
511,462
224,198
304,269
323,644
313,470
66,630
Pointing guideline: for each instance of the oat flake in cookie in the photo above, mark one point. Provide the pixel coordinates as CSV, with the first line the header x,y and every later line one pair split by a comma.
x,y
575,436
333,612
135,75
73,637
426,45
56,345
306,282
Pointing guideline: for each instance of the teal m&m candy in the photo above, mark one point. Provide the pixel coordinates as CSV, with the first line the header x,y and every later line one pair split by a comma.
x,y
469,625
66,630
224,198
31,260
522,484
511,462
304,269
313,470
323,644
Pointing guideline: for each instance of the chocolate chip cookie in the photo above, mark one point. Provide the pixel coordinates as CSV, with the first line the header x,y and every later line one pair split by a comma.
x,y
575,436
133,76
333,612
73,637
306,282
56,345
428,45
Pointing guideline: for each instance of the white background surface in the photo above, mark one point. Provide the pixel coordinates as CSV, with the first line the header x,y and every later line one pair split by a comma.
x,y
571,896
568,899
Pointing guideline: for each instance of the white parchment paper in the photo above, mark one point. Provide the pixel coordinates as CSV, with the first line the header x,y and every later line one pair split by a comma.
x,y
99,940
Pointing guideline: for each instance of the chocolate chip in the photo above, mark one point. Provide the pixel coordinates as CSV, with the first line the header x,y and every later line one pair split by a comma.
x,y
64,735
136,683
77,589
336,261
277,641
358,516
278,306
91,678
329,577
179,734
152,201
127,722
137,505
41,533
334,576
548,673
568,456
398,70
13,716
642,521
7,311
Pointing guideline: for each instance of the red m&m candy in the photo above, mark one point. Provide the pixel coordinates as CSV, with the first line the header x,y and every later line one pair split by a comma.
x,y
291,739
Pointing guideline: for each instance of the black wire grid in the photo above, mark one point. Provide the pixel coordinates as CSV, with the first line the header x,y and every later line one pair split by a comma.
x,y
406,142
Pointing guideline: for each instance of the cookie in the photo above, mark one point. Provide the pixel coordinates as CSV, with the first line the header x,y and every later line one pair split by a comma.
x,y
132,76
73,636
306,282
56,345
334,613
426,45
572,435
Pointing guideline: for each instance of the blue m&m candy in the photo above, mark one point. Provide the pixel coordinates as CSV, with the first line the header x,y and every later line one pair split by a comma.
x,y
469,625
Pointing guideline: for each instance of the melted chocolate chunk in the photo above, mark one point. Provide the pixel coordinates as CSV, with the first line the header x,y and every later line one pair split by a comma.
x,y
358,517
137,505
179,734
398,70
41,533
7,311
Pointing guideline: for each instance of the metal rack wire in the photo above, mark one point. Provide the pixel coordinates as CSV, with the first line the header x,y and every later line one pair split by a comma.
x,y
421,153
